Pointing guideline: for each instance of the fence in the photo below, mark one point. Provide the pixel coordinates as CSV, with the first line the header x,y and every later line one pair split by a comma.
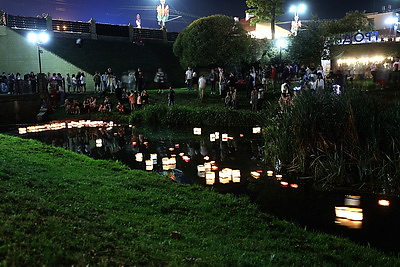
x,y
91,27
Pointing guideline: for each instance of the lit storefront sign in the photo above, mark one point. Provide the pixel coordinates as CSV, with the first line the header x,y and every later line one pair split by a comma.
x,y
359,38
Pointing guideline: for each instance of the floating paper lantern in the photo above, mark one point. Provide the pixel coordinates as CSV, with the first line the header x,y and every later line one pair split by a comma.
x,y
201,168
256,130
207,166
186,158
139,157
99,142
22,130
284,184
149,165
270,173
165,161
384,202
224,137
153,157
255,175
212,137
236,176
279,177
206,158
241,135
210,178
197,131
216,135
295,186
225,176
354,214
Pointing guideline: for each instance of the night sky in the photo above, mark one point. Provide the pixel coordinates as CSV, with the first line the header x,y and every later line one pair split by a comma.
x,y
124,11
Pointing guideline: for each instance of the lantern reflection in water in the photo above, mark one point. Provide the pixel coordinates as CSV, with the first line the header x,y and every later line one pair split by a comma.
x,y
349,217
352,200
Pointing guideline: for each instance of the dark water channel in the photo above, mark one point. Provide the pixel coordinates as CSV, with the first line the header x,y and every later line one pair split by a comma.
x,y
237,157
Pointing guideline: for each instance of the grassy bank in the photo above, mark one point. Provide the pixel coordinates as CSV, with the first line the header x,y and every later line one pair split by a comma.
x,y
59,208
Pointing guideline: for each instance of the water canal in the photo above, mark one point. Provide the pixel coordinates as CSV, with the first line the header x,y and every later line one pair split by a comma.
x,y
230,161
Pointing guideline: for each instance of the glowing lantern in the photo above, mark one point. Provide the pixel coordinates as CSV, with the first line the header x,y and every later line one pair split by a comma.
x,y
201,168
241,135
181,154
206,158
171,149
99,142
197,131
295,186
284,184
216,135
225,176
22,130
165,161
149,165
212,137
153,157
224,137
214,167
255,175
207,166
139,157
176,145
279,177
270,173
256,130
111,124
384,202
210,178
354,214
236,176
186,158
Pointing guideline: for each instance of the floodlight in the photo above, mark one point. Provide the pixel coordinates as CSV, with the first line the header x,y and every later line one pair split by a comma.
x,y
43,37
32,37
391,20
281,43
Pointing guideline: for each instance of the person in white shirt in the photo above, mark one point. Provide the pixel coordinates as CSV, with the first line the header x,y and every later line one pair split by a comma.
x,y
319,83
202,87
189,78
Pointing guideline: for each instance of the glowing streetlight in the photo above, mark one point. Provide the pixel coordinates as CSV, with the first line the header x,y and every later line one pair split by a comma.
x,y
296,23
394,21
281,44
38,39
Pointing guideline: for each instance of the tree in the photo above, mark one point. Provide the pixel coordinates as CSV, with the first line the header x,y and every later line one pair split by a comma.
x,y
265,10
213,40
310,44
352,22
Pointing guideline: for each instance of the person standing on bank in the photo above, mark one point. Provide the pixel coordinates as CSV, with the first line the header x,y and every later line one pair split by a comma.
x,y
202,87
189,78
160,79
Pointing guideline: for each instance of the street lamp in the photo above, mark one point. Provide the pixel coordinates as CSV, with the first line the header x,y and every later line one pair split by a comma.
x,y
281,44
38,39
394,21
296,23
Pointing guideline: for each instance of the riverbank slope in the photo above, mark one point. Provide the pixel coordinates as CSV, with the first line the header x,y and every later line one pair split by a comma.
x,y
61,208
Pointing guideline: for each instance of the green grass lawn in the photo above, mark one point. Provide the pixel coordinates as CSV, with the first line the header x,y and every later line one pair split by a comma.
x,y
58,208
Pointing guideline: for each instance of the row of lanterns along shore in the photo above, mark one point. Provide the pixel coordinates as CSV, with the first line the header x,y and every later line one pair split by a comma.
x,y
55,126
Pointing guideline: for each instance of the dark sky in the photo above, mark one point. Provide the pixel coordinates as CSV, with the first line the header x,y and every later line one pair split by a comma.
x,y
124,11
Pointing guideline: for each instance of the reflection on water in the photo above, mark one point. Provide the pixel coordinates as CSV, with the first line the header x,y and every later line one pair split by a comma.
x,y
231,161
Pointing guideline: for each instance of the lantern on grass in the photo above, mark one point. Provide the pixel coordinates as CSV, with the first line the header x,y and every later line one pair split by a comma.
x,y
210,178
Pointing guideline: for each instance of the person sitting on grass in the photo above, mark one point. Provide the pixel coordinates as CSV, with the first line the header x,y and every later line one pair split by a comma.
x,y
102,108
121,107
108,104
92,105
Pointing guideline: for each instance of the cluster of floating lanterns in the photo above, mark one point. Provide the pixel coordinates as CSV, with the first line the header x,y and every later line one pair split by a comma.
x,y
225,176
350,215
62,125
